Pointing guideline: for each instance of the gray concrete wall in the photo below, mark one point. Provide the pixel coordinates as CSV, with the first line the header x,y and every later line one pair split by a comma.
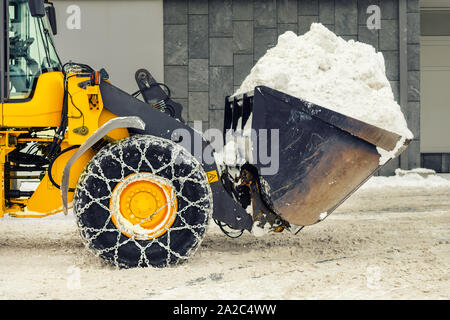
x,y
413,107
210,46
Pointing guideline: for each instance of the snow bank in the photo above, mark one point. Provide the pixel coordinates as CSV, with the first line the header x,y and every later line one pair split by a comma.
x,y
344,76
417,178
421,171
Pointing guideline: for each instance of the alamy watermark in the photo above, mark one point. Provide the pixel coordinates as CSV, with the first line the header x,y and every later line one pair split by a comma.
x,y
373,277
74,278
235,148
73,21
374,19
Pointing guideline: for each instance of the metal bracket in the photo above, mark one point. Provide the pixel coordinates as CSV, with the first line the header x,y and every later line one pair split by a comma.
x,y
261,213
82,131
116,123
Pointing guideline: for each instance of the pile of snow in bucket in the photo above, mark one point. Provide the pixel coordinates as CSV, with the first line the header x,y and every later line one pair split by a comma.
x,y
348,77
416,178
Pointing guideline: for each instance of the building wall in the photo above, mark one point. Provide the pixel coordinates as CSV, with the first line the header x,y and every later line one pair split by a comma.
x,y
102,40
210,46
440,162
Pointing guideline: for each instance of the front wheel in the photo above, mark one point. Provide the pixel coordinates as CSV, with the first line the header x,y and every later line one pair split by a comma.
x,y
143,201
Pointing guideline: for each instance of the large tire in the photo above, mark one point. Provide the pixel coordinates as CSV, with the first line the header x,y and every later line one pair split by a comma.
x,y
157,158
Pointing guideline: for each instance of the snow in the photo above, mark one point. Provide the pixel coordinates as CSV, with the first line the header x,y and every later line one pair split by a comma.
x,y
416,178
423,171
259,231
323,215
235,153
387,155
400,234
345,76
232,153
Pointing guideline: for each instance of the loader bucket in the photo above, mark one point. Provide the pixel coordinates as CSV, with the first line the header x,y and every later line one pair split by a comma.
x,y
324,156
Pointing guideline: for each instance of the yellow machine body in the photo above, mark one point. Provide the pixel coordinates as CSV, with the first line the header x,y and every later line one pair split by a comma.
x,y
43,110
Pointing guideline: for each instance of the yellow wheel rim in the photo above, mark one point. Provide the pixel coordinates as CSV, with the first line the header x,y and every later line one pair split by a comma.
x,y
143,206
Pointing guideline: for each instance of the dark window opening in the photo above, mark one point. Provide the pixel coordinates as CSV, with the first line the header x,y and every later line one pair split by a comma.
x,y
435,22
31,50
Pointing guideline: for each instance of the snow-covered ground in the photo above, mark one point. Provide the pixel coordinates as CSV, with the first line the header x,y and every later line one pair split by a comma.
x,y
388,242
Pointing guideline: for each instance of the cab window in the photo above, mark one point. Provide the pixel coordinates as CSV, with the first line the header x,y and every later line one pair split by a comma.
x,y
31,50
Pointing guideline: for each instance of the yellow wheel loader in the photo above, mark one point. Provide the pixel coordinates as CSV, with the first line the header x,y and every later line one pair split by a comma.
x,y
142,184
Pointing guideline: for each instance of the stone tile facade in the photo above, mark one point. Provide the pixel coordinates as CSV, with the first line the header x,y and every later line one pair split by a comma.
x,y
210,46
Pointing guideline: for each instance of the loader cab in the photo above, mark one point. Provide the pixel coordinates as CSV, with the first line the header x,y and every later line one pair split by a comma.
x,y
32,82
31,49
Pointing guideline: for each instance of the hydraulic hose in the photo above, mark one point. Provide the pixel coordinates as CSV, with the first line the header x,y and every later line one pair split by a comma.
x,y
51,165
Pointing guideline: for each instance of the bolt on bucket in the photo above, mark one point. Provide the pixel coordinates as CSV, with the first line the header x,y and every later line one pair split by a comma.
x,y
323,156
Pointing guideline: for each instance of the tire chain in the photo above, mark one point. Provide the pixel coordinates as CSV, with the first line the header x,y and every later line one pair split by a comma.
x,y
89,234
